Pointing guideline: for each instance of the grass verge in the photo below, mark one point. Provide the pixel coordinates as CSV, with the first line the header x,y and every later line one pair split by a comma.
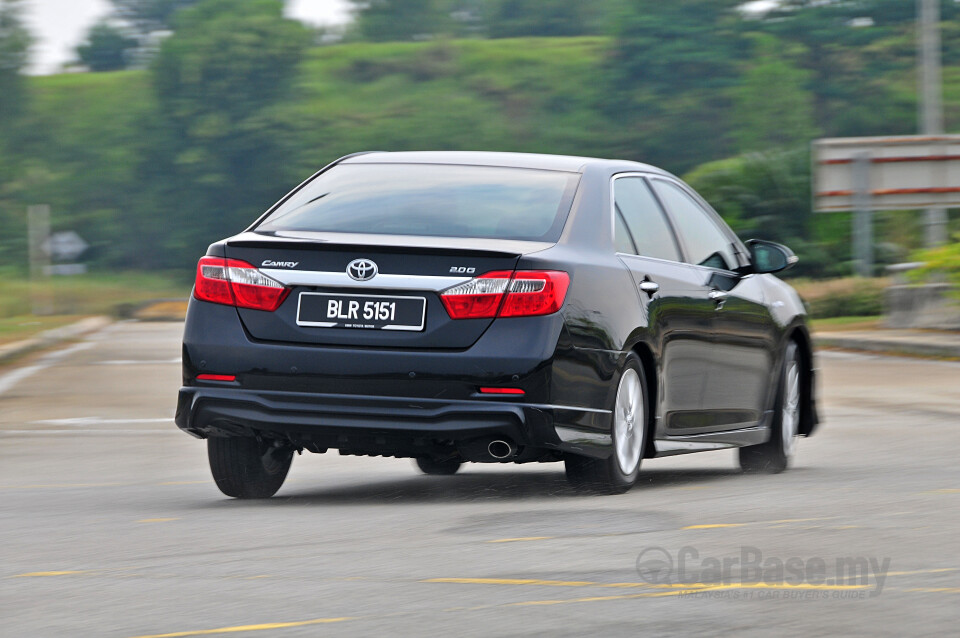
x,y
90,294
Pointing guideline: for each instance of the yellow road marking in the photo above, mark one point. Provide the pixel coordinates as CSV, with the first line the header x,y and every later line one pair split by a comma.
x,y
686,589
949,490
157,520
240,628
672,586
63,573
923,571
675,589
522,538
778,522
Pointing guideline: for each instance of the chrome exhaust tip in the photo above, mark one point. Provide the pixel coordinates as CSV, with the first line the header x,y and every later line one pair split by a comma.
x,y
500,449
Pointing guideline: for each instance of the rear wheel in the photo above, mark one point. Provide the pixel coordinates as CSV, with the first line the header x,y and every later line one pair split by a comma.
x,y
243,467
617,473
438,467
774,455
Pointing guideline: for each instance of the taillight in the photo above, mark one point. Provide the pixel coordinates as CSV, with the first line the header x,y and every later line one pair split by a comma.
x,y
237,283
535,293
525,293
478,298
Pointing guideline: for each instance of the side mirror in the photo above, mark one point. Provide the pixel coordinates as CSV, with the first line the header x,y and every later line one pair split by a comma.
x,y
770,257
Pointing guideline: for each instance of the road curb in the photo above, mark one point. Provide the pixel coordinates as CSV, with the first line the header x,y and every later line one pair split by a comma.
x,y
889,346
52,337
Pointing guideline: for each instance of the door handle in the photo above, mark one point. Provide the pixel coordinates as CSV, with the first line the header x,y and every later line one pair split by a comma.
x,y
719,297
649,287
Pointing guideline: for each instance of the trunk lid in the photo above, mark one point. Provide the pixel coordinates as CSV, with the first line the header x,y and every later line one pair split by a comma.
x,y
408,268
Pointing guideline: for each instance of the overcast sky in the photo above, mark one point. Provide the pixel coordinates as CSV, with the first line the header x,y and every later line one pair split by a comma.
x,y
58,26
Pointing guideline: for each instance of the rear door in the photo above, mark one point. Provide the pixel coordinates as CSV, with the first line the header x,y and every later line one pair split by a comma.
x,y
680,314
741,361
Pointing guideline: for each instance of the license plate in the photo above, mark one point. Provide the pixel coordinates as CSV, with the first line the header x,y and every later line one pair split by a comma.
x,y
369,312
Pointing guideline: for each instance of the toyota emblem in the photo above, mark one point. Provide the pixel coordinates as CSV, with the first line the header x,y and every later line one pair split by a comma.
x,y
362,269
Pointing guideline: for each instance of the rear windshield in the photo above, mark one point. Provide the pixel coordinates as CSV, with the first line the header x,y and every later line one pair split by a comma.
x,y
430,199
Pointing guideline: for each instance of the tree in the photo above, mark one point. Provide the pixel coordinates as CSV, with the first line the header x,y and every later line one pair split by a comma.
x,y
772,104
852,93
768,195
221,144
668,76
837,15
395,20
515,18
107,48
147,16
15,43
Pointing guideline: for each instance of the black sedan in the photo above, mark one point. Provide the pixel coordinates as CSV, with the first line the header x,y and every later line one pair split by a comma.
x,y
493,308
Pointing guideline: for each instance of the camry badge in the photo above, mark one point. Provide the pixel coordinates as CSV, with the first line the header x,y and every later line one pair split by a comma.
x,y
362,269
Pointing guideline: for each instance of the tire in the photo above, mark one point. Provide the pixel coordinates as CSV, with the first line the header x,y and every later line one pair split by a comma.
x,y
438,467
617,473
242,467
774,456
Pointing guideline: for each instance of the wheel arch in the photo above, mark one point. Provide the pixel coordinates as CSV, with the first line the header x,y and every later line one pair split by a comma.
x,y
808,406
645,354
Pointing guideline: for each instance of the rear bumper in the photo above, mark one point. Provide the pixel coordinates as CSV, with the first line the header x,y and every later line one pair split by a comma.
x,y
390,426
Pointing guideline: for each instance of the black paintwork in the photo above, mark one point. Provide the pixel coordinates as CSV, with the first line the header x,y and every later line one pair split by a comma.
x,y
713,365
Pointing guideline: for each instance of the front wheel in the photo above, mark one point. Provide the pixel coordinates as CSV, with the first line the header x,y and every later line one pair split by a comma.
x,y
243,467
618,472
774,456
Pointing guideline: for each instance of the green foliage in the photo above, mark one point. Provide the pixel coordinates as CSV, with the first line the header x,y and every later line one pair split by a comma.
x,y
845,297
773,108
107,48
679,45
149,167
942,262
15,43
219,139
147,16
763,195
88,294
518,18
400,20
668,77
850,66
227,59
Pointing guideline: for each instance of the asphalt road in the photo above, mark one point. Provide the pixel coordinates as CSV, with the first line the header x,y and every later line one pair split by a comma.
x,y
111,526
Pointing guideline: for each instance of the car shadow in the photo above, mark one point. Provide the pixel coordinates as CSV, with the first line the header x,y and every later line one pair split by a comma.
x,y
476,486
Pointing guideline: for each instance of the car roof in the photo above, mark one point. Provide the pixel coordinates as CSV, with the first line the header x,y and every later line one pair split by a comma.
x,y
567,163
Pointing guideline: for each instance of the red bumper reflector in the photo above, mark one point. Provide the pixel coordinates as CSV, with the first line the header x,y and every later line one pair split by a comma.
x,y
501,391
216,377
